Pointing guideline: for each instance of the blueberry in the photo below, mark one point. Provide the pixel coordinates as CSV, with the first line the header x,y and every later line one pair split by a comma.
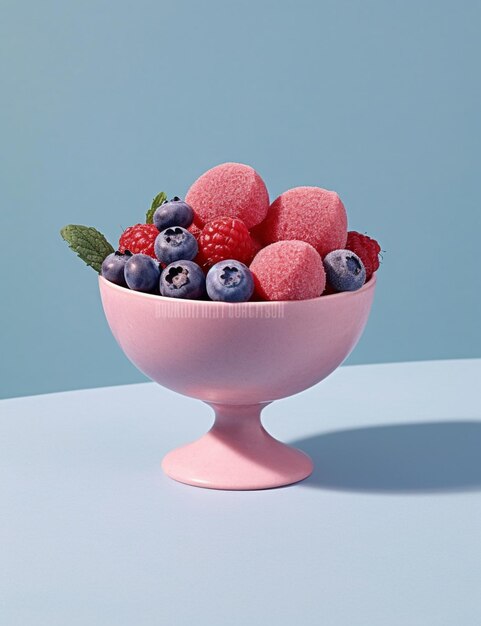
x,y
344,270
142,273
182,279
175,212
230,281
175,243
113,267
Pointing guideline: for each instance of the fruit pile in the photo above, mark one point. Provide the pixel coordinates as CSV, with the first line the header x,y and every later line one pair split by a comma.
x,y
226,242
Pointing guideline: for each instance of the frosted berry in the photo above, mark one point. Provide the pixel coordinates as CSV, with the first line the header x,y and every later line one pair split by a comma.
x,y
311,214
288,270
232,189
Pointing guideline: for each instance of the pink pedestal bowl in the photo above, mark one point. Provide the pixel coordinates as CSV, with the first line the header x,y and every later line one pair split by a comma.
x,y
237,358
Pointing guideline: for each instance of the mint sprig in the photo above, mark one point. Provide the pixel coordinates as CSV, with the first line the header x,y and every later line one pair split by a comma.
x,y
159,199
90,245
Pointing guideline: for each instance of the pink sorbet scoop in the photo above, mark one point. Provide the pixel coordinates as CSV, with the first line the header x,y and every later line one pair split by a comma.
x,y
311,214
232,190
288,270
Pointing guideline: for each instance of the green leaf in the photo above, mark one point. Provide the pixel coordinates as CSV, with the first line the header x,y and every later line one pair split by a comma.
x,y
90,245
159,199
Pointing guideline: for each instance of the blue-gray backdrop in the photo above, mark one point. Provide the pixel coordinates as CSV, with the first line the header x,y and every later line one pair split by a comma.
x,y
105,103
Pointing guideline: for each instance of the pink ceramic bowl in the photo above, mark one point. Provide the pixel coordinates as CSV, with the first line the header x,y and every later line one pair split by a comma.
x,y
238,358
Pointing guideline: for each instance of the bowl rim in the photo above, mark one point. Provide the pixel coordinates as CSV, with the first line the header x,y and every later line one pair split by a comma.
x,y
263,303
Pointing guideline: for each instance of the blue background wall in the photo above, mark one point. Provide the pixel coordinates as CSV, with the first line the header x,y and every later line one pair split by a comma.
x,y
106,103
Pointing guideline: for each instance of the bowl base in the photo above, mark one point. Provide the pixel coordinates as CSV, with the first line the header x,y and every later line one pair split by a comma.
x,y
237,454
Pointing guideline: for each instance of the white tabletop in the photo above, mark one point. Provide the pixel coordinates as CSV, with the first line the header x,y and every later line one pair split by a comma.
x,y
386,532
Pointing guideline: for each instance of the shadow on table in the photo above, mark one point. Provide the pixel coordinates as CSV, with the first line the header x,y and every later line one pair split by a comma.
x,y
400,458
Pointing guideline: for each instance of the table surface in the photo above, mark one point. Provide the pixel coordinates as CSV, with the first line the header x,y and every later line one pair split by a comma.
x,y
385,532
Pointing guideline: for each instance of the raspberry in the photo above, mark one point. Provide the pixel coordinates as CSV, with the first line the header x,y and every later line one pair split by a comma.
x,y
139,239
195,230
367,250
199,259
225,238
329,289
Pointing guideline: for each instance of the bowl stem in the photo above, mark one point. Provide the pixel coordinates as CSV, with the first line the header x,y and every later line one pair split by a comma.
x,y
237,453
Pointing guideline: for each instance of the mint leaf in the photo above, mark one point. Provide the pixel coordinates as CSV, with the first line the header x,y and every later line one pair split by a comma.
x,y
159,199
149,217
90,245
